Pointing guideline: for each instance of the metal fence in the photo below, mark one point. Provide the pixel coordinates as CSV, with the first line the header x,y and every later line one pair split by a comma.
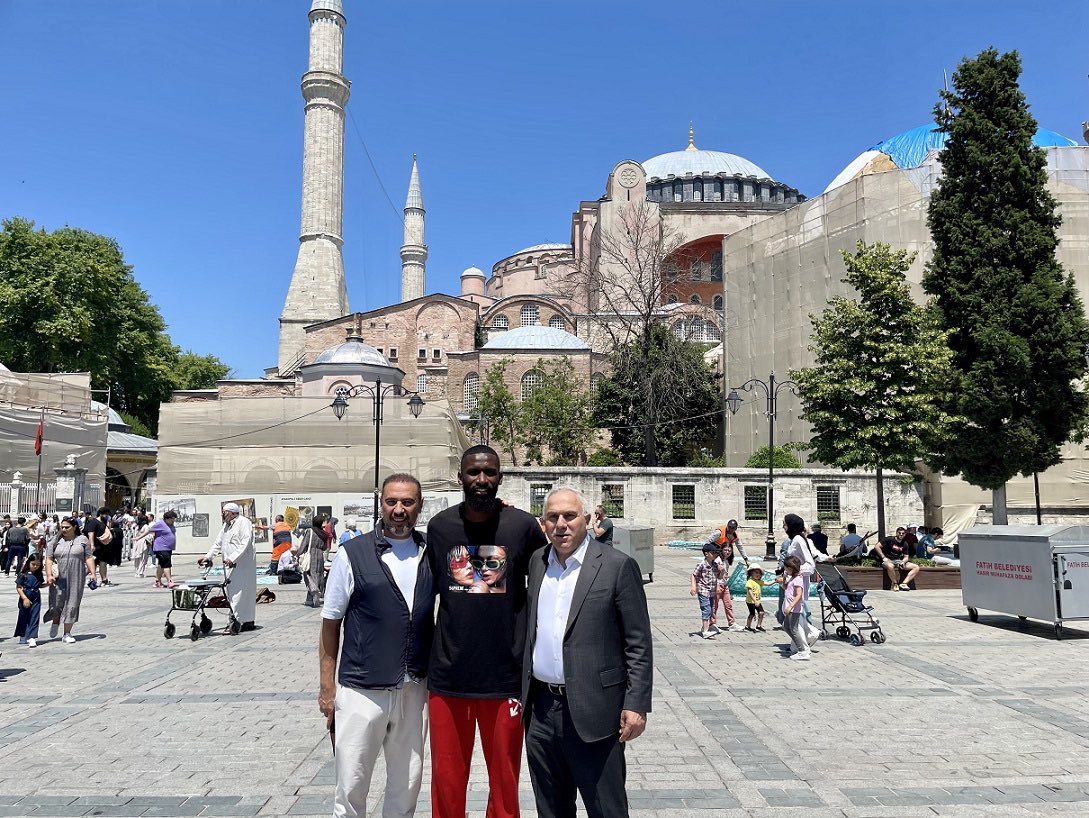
x,y
29,500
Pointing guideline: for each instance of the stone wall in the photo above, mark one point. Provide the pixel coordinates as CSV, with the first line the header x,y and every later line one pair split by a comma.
x,y
654,497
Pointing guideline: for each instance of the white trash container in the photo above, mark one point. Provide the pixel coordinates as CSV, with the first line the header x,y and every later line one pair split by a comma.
x,y
1031,572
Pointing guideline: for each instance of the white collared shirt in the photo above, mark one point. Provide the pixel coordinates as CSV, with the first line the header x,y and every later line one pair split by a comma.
x,y
553,609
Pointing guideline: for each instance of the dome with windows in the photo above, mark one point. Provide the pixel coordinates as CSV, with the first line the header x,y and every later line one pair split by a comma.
x,y
536,337
695,175
700,163
911,148
352,351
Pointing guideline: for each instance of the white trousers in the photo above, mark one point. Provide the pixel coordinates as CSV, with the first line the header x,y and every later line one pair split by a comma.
x,y
369,721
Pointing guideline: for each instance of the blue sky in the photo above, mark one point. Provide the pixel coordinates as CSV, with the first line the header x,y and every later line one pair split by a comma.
x,y
175,126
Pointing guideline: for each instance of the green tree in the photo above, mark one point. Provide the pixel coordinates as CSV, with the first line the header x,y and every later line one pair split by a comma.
x,y
664,388
881,365
555,418
784,457
497,408
71,304
1016,324
193,371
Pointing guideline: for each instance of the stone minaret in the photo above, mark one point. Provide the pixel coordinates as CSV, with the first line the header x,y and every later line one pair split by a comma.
x,y
317,291
413,251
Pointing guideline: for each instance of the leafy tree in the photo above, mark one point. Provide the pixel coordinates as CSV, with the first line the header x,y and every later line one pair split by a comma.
x,y
784,457
192,371
71,304
497,406
881,364
603,457
665,388
555,418
1016,324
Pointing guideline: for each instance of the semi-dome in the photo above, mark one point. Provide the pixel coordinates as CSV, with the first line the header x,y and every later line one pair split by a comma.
x,y
910,148
536,337
701,163
352,351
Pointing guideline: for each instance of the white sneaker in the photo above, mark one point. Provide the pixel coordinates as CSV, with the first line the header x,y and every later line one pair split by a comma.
x,y
707,634
69,638
736,628
32,643
800,657
715,629
54,629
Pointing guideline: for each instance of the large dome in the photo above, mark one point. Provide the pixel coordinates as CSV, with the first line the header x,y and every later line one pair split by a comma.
x,y
701,163
535,337
910,148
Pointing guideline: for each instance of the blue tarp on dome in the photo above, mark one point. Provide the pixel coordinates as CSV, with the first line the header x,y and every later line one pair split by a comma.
x,y
909,149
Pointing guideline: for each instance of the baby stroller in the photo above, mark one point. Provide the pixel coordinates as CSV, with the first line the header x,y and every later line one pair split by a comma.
x,y
844,608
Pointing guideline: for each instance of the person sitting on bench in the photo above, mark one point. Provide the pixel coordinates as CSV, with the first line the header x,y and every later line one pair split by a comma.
x,y
892,553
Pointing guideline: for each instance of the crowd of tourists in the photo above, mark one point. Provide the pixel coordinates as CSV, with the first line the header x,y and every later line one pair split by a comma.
x,y
64,556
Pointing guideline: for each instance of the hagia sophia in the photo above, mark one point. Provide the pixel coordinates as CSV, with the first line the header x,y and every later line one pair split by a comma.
x,y
746,259
751,259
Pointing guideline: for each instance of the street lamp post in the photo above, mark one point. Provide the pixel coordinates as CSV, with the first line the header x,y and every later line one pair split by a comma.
x,y
771,393
377,393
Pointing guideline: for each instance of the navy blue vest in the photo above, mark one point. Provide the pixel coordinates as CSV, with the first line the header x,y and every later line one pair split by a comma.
x,y
383,639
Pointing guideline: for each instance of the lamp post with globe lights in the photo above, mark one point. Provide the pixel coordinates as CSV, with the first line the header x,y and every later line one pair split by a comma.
x,y
771,391
377,393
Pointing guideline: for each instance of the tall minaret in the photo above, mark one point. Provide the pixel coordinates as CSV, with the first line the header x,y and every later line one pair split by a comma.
x,y
317,291
413,251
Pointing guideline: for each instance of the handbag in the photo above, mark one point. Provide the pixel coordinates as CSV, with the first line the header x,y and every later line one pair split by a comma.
x,y
304,552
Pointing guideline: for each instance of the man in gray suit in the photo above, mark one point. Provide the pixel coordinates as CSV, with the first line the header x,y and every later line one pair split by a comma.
x,y
585,694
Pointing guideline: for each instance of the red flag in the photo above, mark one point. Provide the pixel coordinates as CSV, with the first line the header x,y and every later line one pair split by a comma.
x,y
38,437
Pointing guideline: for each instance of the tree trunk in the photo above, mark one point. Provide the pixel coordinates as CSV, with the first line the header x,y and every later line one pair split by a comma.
x,y
998,506
880,504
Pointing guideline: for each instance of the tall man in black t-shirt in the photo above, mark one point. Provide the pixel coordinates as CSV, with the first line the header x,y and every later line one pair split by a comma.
x,y
480,553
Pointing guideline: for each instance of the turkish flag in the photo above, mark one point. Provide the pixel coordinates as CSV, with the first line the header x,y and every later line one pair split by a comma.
x,y
38,438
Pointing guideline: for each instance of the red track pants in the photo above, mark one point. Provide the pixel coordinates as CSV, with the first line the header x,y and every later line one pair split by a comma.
x,y
453,730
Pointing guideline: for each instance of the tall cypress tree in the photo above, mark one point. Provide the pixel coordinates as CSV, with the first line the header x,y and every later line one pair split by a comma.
x,y
1016,325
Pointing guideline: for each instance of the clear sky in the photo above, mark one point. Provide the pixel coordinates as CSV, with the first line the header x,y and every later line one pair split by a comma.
x,y
175,126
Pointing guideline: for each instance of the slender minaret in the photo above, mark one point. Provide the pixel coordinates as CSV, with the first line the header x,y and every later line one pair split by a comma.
x,y
317,291
413,251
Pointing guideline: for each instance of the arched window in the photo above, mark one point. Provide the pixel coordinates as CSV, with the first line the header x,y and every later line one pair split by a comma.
x,y
531,315
695,269
501,322
421,383
716,302
530,381
557,322
695,299
680,330
471,391
672,298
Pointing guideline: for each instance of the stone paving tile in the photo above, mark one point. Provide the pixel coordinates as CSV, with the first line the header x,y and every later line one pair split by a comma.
x,y
969,719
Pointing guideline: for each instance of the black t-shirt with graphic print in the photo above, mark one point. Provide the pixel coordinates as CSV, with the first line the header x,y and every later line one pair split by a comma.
x,y
480,572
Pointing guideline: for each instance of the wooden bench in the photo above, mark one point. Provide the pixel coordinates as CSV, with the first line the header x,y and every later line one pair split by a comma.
x,y
869,578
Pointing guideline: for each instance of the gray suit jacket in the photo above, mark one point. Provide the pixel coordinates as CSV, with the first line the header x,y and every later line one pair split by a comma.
x,y
607,654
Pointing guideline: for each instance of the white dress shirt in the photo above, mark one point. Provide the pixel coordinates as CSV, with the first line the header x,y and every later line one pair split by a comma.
x,y
553,608
403,561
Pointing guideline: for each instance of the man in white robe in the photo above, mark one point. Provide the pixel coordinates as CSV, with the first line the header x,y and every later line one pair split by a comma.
x,y
235,543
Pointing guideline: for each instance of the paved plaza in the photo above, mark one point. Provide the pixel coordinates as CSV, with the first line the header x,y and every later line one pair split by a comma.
x,y
946,718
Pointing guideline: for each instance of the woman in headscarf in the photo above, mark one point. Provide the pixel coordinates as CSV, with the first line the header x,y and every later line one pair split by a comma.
x,y
799,547
315,542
